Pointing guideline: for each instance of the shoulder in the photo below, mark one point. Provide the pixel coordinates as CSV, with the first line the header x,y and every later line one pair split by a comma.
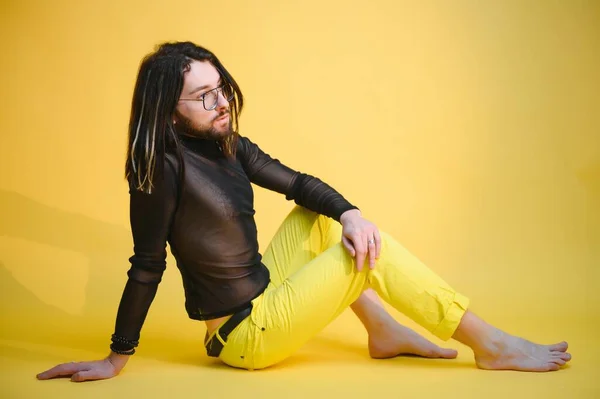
x,y
165,177
244,148
243,143
247,146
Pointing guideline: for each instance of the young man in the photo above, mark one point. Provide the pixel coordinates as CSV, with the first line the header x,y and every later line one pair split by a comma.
x,y
190,176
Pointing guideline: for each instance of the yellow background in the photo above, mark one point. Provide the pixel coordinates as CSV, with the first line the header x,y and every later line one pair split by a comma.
x,y
468,130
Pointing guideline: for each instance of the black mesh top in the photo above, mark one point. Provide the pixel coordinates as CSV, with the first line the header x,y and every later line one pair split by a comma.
x,y
210,228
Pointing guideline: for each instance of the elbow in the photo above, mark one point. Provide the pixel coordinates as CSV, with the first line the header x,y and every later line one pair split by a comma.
x,y
146,271
295,189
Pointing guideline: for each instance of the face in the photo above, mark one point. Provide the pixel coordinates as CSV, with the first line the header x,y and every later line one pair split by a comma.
x,y
190,117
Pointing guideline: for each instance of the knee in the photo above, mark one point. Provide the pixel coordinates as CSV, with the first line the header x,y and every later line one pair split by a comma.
x,y
330,230
299,212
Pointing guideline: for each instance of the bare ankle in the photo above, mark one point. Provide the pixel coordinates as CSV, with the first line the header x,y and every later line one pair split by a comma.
x,y
478,335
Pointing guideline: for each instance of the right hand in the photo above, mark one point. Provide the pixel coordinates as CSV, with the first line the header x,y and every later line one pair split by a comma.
x,y
87,371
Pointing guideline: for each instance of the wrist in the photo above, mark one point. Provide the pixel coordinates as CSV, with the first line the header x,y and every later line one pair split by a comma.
x,y
349,214
118,361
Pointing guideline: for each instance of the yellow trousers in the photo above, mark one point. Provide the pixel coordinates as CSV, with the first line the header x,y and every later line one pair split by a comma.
x,y
314,279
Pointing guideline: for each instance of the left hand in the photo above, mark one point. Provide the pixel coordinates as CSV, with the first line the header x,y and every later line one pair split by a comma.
x,y
360,237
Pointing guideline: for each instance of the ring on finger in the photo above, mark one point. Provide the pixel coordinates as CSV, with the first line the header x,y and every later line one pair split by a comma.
x,y
371,241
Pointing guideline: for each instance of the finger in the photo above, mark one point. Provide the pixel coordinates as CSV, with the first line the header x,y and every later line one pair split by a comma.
x,y
61,370
88,375
372,252
377,243
361,251
348,245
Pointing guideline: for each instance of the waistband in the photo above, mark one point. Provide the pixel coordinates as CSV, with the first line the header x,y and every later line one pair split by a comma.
x,y
215,344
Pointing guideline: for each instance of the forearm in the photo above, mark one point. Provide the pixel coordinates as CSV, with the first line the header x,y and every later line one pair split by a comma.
x,y
133,309
316,195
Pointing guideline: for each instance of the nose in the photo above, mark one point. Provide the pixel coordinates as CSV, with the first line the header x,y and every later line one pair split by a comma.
x,y
221,101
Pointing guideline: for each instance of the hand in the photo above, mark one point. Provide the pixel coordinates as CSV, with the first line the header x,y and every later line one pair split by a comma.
x,y
360,237
86,371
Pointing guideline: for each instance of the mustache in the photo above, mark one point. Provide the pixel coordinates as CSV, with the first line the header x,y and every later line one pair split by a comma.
x,y
220,115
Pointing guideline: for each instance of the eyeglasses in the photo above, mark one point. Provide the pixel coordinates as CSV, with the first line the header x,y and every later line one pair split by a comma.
x,y
210,99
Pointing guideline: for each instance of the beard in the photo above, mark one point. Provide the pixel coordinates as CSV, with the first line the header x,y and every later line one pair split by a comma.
x,y
186,127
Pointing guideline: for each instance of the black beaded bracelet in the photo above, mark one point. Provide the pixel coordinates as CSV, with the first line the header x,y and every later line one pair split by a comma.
x,y
121,340
122,352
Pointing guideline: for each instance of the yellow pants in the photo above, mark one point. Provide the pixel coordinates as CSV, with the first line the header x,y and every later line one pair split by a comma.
x,y
314,279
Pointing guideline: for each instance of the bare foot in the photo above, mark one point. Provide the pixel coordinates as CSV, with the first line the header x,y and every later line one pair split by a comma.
x,y
496,350
507,352
400,340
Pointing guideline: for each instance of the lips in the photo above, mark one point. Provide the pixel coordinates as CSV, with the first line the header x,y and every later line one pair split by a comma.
x,y
222,118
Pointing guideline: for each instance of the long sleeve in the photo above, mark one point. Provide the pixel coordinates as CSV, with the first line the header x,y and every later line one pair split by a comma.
x,y
150,218
306,190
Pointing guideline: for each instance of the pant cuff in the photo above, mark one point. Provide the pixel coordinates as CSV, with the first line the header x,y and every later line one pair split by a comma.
x,y
445,330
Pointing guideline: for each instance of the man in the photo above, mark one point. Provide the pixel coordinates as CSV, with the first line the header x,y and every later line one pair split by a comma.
x,y
190,175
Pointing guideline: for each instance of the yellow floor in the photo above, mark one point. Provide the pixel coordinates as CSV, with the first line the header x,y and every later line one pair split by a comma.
x,y
334,364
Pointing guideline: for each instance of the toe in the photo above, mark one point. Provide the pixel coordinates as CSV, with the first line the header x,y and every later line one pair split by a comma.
x,y
557,360
564,356
448,353
553,367
559,347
